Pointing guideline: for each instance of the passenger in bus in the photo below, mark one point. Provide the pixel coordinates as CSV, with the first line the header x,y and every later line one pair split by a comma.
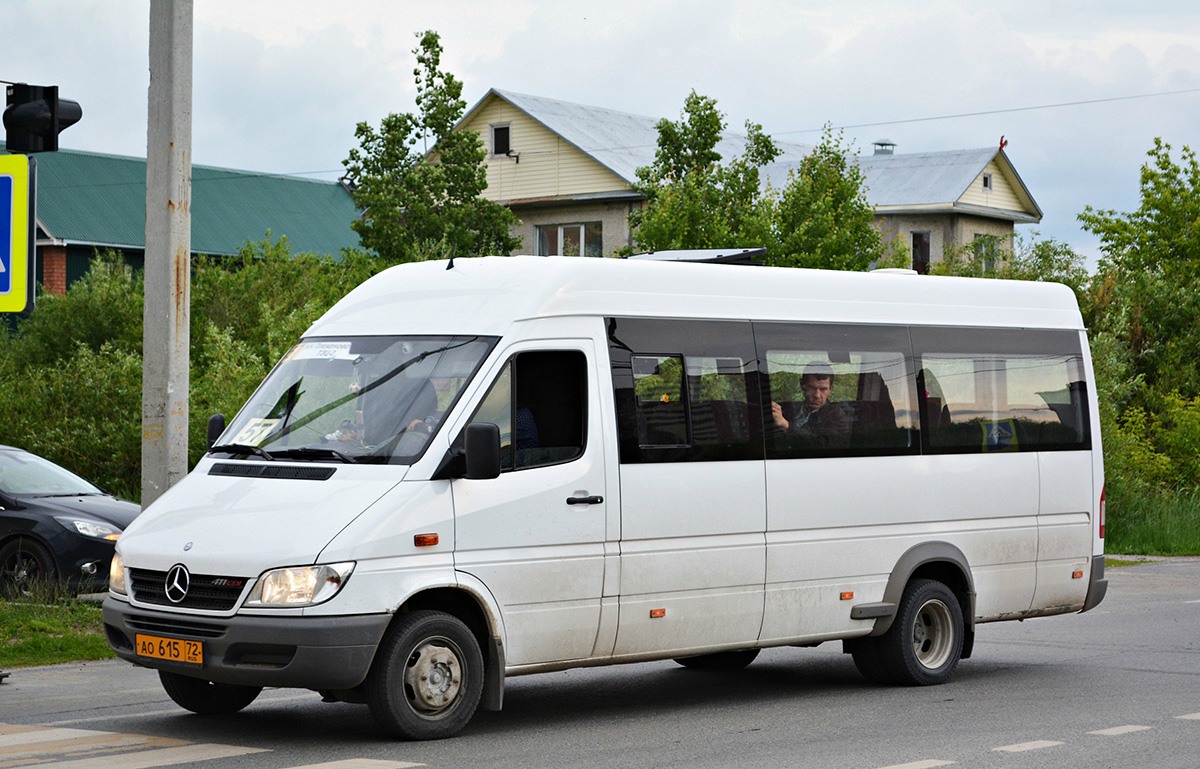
x,y
815,416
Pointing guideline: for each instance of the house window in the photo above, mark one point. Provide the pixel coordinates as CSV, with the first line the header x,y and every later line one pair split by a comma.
x,y
987,183
920,252
570,240
986,248
501,142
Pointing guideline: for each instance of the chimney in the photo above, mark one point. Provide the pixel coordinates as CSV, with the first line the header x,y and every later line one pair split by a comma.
x,y
885,147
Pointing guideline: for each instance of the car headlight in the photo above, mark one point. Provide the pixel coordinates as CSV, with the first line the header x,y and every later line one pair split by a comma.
x,y
116,574
300,585
89,527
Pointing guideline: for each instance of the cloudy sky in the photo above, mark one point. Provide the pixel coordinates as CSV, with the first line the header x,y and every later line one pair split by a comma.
x,y
280,84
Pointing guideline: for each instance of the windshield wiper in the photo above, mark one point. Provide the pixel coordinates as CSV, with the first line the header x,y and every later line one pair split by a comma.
x,y
241,448
313,452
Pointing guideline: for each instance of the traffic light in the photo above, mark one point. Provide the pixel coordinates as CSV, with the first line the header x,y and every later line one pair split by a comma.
x,y
35,115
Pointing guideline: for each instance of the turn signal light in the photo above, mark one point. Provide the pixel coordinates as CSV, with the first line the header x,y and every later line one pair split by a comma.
x,y
1103,491
425,540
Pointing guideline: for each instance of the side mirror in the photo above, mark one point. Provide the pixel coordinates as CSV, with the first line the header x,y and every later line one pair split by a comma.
x,y
216,426
482,450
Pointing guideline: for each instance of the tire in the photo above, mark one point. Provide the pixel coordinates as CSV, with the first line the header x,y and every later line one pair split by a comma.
x,y
26,567
205,697
924,643
720,660
427,677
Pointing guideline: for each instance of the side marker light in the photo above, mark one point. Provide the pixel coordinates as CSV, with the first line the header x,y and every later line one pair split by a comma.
x,y
425,540
848,596
658,613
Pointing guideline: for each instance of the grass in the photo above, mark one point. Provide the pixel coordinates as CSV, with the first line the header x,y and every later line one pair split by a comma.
x,y
50,628
1154,523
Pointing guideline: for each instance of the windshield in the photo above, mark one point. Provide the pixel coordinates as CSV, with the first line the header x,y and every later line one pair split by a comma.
x,y
360,399
25,473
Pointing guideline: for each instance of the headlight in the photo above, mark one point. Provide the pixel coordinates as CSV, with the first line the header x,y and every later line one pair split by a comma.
x,y
300,585
116,575
89,527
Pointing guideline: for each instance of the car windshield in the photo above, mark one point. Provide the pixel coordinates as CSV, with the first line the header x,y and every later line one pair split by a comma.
x,y
25,473
356,399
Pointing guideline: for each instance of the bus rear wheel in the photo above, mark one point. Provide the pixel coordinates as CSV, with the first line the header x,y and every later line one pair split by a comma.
x,y
924,643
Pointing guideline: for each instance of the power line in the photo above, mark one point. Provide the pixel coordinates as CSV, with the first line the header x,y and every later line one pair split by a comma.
x,y
998,111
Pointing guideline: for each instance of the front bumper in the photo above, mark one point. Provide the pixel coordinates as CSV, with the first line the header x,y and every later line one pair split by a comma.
x,y
300,652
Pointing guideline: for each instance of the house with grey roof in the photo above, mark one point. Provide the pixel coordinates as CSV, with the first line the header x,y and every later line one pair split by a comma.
x,y
567,171
88,201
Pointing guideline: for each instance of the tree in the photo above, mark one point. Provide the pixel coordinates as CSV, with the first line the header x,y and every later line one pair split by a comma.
x,y
1148,286
824,219
1032,258
419,181
695,201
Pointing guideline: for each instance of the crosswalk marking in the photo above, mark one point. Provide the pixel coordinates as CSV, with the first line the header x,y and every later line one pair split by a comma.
x,y
147,759
44,735
930,764
1116,730
1023,746
95,749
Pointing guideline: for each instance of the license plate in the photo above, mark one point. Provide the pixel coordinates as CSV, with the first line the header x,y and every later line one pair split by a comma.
x,y
173,649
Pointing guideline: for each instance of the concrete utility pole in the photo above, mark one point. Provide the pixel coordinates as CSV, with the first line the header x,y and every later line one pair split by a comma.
x,y
168,249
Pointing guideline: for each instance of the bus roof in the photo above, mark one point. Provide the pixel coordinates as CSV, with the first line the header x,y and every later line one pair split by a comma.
x,y
487,295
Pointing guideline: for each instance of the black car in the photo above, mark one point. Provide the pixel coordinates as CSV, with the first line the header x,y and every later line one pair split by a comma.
x,y
55,527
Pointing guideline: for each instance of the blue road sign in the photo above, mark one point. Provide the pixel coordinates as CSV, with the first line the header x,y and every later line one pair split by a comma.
x,y
16,233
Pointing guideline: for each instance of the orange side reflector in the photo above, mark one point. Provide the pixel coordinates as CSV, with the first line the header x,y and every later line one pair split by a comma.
x,y
425,540
1077,575
848,596
658,613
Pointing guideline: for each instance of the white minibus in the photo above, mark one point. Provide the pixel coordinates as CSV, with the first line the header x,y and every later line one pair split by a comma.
x,y
490,467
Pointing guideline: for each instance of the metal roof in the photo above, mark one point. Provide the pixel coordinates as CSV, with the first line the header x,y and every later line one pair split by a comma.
x,y
622,143
619,141
927,180
97,199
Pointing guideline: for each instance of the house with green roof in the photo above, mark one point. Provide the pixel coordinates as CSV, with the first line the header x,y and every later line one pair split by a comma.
x,y
88,201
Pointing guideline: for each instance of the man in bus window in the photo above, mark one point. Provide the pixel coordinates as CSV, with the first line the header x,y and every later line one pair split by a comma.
x,y
815,416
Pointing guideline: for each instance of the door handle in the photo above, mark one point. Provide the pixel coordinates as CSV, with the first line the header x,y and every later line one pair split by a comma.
x,y
584,500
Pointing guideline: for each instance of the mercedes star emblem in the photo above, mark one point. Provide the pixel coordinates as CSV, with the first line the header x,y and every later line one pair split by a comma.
x,y
177,584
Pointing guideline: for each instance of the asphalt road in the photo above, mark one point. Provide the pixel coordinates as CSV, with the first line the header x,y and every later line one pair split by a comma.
x,y
1116,687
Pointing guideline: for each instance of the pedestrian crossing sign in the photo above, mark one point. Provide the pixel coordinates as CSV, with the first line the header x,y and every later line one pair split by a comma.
x,y
1000,435
16,233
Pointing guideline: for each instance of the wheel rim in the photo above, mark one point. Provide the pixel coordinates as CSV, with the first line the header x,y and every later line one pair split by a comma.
x,y
933,634
433,677
20,570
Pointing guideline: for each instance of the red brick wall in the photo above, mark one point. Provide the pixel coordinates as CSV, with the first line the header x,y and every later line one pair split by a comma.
x,y
54,269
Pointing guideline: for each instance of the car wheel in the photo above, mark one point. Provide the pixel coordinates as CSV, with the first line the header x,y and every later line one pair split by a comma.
x,y
427,677
720,660
25,567
924,643
205,697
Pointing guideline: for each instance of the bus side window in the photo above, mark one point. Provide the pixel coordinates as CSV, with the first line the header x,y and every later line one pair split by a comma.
x,y
998,390
539,403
